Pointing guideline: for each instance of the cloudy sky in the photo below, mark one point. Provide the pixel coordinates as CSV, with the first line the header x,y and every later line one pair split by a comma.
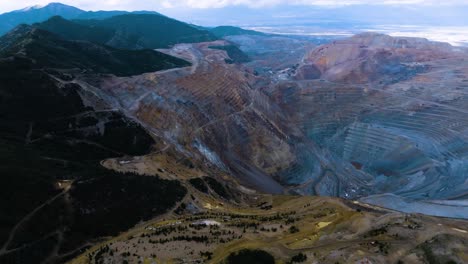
x,y
8,5
442,20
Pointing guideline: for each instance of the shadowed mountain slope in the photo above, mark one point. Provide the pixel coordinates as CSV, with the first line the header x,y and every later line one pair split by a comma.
x,y
48,50
127,31
54,132
149,31
73,31
224,31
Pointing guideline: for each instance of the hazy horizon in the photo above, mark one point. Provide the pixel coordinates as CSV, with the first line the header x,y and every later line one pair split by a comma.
x,y
184,7
440,21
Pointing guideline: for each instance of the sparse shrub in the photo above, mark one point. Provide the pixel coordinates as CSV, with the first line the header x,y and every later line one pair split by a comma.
x,y
298,258
248,256
293,229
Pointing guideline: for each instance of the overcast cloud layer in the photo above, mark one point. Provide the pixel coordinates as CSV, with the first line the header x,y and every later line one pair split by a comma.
x,y
7,5
263,3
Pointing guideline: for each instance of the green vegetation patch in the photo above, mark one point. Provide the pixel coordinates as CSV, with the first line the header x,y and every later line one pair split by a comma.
x,y
299,258
150,31
248,256
48,137
199,184
73,31
224,31
217,187
116,202
48,50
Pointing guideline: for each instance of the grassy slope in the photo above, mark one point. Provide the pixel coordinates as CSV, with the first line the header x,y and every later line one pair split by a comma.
x,y
329,231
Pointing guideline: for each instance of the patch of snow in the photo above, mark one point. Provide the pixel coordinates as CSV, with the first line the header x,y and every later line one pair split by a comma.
x,y
30,8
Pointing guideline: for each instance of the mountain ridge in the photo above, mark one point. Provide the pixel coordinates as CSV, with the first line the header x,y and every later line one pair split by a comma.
x,y
48,50
36,14
129,31
224,31
151,31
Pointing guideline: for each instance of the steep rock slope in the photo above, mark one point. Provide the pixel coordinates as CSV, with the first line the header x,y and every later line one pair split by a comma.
x,y
211,112
396,132
387,134
366,133
371,57
392,123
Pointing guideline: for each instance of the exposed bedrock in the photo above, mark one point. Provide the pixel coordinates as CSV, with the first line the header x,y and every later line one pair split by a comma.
x,y
385,131
405,145
371,57
388,115
211,112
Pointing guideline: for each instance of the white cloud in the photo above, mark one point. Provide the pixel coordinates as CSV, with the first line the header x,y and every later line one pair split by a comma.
x,y
7,5
264,3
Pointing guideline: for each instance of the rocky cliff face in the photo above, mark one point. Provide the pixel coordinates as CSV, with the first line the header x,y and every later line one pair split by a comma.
x,y
371,57
386,116
358,117
212,112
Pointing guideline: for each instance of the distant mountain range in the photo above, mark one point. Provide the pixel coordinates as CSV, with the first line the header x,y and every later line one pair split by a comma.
x,y
36,14
119,29
114,42
224,31
130,31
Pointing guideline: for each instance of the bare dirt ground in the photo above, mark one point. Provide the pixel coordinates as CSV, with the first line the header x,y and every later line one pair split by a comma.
x,y
324,229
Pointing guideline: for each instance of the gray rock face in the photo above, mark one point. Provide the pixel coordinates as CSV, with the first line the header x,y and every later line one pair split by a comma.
x,y
407,136
357,131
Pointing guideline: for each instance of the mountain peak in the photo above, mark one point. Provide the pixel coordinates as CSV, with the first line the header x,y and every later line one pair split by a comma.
x,y
58,4
37,13
49,7
29,8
